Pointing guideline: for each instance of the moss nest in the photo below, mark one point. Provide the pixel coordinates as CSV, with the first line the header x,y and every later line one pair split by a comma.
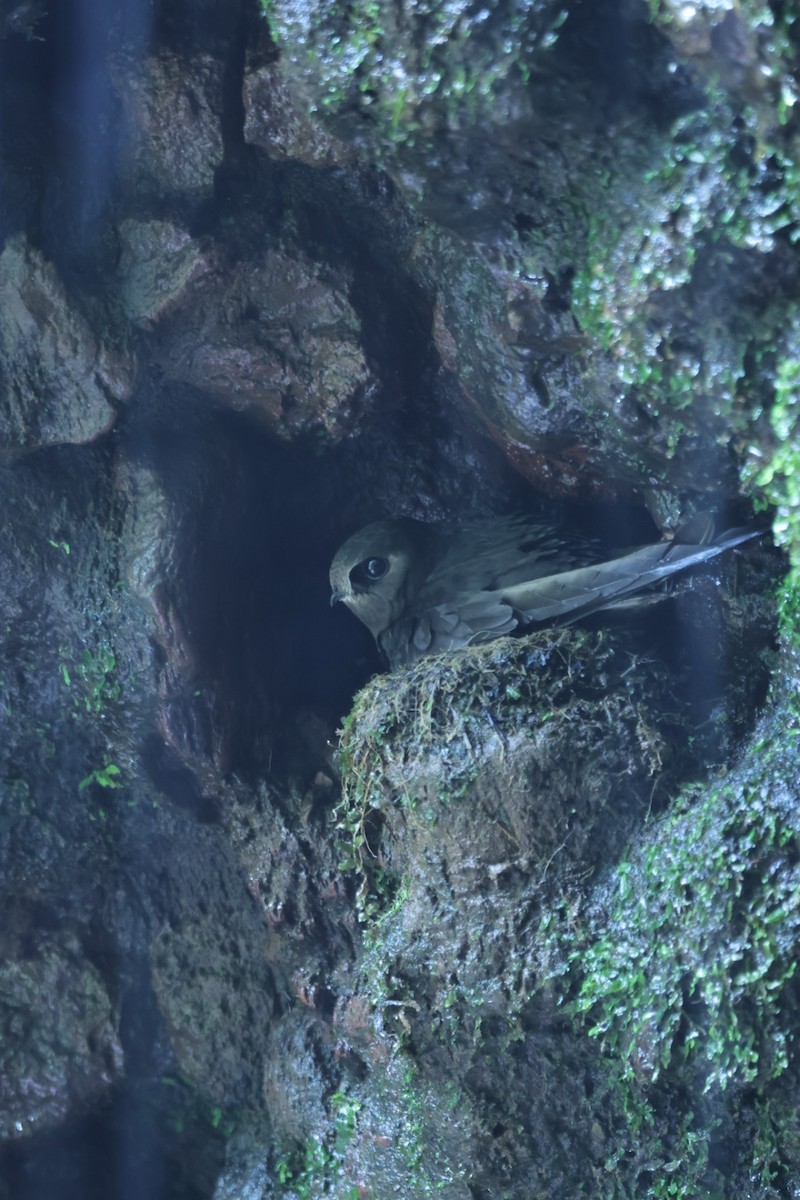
x,y
542,751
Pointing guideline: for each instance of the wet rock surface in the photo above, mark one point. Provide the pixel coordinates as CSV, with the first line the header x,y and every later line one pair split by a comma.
x,y
171,110
522,920
61,1057
274,338
59,379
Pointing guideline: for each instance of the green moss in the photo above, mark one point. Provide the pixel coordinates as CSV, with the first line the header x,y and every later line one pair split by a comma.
x,y
686,969
681,239
317,1167
91,675
779,479
789,607
717,195
771,472
107,776
766,36
776,1143
702,929
406,70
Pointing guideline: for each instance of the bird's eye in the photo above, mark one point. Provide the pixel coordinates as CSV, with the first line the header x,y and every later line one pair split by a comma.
x,y
376,568
369,571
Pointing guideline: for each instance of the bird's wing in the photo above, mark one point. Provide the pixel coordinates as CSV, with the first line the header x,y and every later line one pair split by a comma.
x,y
463,613
563,598
497,553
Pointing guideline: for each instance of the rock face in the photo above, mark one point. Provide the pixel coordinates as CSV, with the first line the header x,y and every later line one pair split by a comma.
x,y
275,339
521,921
60,1056
59,379
172,120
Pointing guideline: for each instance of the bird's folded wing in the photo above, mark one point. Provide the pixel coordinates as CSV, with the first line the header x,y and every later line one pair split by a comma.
x,y
501,552
573,594
470,615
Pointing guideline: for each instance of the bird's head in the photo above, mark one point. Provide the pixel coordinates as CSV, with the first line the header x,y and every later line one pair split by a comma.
x,y
370,572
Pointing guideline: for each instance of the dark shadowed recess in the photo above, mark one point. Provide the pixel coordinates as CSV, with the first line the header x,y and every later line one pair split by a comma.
x,y
622,57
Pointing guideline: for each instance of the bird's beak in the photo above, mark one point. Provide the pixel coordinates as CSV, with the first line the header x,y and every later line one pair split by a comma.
x,y
336,597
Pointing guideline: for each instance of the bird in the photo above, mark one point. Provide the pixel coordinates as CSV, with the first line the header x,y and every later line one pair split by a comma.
x,y
424,588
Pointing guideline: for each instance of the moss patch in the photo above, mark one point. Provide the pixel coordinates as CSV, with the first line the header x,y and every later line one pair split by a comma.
x,y
685,970
406,71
